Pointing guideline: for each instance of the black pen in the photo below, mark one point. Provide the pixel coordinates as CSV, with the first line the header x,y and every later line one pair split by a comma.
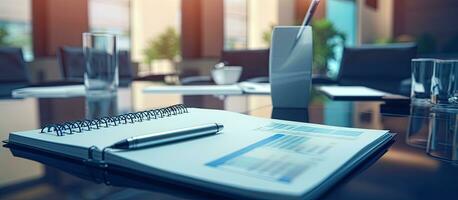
x,y
168,136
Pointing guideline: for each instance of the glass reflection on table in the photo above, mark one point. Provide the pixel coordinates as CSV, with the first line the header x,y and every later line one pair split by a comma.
x,y
98,106
443,136
434,128
419,125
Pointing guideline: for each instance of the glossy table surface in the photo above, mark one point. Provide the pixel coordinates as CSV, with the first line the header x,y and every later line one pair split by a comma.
x,y
405,171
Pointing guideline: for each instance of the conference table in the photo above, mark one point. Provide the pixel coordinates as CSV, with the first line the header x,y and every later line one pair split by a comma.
x,y
401,170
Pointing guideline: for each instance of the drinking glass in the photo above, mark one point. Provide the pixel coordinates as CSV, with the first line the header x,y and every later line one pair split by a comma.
x,y
422,72
101,61
444,90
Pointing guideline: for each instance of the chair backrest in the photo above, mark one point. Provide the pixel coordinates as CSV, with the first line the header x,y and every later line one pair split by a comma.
x,y
125,65
71,60
387,64
255,63
12,66
380,62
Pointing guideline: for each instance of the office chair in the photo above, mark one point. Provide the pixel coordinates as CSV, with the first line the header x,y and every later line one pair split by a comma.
x,y
71,61
125,67
255,63
381,67
13,71
12,66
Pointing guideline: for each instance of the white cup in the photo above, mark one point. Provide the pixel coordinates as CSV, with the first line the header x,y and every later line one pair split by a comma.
x,y
226,75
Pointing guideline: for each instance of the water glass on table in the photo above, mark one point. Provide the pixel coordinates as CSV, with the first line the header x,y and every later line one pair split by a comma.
x,y
422,73
444,86
101,62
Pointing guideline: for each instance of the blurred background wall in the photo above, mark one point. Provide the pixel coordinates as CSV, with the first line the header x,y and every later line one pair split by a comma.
x,y
192,33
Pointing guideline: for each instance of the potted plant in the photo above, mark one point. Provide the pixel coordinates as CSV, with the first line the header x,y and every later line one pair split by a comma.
x,y
3,36
165,46
325,39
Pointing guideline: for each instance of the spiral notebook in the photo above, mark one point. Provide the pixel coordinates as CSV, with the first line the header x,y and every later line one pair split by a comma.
x,y
123,179
253,157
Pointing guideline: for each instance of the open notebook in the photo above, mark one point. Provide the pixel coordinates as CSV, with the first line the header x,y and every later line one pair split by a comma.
x,y
253,157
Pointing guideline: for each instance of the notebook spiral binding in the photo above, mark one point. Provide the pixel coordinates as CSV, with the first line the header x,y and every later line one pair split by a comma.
x,y
105,122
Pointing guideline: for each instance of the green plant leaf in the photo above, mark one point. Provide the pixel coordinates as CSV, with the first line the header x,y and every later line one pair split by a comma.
x,y
165,46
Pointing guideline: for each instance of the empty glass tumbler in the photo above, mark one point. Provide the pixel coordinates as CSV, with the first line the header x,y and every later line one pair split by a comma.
x,y
444,86
101,61
422,72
